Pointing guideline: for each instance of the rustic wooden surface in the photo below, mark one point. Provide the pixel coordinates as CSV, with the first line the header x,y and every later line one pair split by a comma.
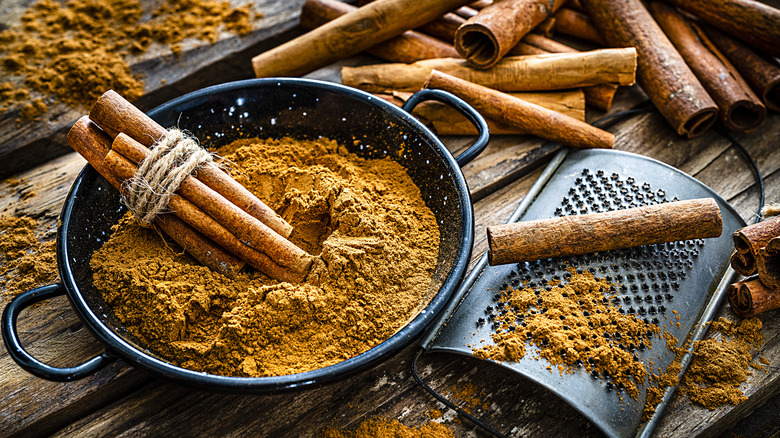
x,y
165,76
120,400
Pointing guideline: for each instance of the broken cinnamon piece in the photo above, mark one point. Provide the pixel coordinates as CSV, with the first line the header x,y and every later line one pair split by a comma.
x,y
661,71
93,144
533,119
750,297
408,47
739,107
589,233
485,38
114,114
554,71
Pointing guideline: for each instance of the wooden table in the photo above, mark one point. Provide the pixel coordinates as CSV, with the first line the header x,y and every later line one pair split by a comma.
x,y
120,400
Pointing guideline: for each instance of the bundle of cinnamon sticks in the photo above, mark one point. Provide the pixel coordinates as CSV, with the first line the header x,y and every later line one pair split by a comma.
x,y
757,257
215,219
703,62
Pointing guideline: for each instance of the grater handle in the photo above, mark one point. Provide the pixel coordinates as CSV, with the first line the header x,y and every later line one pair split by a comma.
x,y
483,133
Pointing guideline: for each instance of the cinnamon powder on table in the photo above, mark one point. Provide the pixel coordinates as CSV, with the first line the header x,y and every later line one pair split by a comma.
x,y
379,427
27,256
366,220
74,50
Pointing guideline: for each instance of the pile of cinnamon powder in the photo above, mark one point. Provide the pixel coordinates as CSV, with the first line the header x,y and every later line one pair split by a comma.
x,y
365,218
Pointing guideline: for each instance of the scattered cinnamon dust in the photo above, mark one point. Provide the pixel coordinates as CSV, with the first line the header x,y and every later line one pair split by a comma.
x,y
720,366
25,261
573,325
379,427
364,218
77,49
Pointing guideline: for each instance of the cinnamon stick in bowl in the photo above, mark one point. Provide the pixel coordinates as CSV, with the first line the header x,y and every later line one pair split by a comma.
x,y
531,118
739,107
588,233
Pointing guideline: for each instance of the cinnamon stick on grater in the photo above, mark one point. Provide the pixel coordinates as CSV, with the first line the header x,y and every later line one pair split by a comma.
x,y
584,234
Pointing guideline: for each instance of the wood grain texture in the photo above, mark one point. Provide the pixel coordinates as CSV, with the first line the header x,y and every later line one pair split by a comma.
x,y
118,401
23,145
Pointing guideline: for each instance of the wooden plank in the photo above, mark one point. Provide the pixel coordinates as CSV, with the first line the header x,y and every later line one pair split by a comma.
x,y
23,145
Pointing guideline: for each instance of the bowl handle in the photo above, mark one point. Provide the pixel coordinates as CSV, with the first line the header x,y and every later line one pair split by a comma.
x,y
25,359
459,104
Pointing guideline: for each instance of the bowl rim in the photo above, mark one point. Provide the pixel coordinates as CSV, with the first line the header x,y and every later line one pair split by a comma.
x,y
202,380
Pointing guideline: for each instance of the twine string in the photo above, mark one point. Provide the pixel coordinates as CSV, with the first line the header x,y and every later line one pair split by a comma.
x,y
172,159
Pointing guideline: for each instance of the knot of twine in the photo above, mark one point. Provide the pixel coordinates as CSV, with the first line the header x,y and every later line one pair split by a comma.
x,y
173,158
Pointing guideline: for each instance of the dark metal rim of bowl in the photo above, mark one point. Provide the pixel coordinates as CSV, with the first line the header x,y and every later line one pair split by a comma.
x,y
118,347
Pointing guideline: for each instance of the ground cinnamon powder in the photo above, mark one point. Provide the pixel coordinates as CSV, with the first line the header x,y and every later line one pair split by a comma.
x,y
382,428
364,218
27,255
77,49
573,326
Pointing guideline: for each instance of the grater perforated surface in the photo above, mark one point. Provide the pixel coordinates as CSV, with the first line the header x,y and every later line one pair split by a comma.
x,y
670,285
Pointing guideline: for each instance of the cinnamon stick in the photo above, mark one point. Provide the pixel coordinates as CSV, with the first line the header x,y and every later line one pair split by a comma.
x,y
576,24
114,114
93,144
408,47
466,11
485,38
584,234
349,34
749,240
444,27
248,229
661,71
739,107
196,218
555,71
445,120
598,96
753,22
762,75
531,118
768,264
481,4
750,297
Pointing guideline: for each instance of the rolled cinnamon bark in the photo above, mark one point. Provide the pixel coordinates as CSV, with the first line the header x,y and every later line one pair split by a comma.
x,y
114,114
531,118
555,71
408,47
481,4
753,22
248,229
445,120
576,24
598,96
768,264
444,27
466,11
196,218
762,75
93,144
485,38
739,107
584,234
750,297
349,34
661,71
749,240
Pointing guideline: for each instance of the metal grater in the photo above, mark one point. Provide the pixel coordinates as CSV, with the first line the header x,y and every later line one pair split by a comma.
x,y
652,282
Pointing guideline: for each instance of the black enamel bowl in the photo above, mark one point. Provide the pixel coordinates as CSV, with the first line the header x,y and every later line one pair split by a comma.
x,y
369,126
